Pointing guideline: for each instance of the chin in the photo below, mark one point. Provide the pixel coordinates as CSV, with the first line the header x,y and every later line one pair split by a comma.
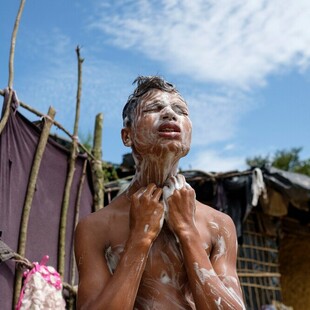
x,y
162,148
175,148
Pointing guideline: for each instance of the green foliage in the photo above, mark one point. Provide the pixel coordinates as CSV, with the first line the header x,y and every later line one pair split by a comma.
x,y
108,169
258,161
288,160
109,172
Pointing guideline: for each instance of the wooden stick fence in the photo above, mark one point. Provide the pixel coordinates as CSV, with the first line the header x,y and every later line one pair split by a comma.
x,y
76,219
11,65
29,196
258,265
97,172
48,122
70,175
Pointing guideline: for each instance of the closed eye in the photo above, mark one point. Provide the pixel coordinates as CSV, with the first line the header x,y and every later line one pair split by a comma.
x,y
155,107
180,110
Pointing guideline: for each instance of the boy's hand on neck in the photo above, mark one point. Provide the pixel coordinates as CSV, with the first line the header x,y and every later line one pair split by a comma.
x,y
179,202
146,213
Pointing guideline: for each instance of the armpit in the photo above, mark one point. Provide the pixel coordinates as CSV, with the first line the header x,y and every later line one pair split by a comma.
x,y
112,256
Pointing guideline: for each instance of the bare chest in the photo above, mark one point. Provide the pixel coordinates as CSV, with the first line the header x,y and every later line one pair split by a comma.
x,y
164,259
164,283
165,262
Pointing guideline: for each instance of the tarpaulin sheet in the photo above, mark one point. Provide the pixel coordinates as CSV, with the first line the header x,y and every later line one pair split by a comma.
x,y
295,186
18,143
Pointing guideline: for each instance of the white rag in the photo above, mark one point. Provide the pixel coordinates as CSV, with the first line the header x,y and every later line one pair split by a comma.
x,y
258,186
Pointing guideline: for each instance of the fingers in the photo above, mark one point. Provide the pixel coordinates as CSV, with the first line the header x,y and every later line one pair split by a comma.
x,y
157,193
138,193
175,182
151,191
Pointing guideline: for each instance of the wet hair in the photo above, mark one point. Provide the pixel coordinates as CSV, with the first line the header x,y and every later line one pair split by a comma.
x,y
144,84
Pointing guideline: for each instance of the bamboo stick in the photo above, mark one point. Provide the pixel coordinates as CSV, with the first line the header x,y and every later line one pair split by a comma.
x,y
76,215
11,65
29,195
259,274
255,261
272,288
13,42
6,114
259,248
76,219
97,172
71,169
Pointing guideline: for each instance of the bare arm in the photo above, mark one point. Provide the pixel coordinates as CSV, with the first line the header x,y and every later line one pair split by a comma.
x,y
213,281
98,289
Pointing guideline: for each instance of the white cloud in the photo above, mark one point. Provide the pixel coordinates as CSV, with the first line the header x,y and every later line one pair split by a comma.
x,y
234,42
229,147
211,160
215,115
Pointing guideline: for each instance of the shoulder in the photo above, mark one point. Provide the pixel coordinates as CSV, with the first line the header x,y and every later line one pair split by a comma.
x,y
101,225
218,223
212,215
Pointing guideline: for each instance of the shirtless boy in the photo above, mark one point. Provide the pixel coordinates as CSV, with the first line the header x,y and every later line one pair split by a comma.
x,y
155,246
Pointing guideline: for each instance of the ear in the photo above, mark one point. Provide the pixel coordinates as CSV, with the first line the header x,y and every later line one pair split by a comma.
x,y
126,136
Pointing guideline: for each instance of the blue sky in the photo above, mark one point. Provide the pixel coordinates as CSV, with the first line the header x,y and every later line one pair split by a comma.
x,y
242,66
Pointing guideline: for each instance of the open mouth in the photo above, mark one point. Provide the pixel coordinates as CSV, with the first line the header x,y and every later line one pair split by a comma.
x,y
169,127
168,130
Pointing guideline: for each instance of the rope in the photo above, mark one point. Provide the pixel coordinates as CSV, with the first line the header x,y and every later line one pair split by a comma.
x,y
23,263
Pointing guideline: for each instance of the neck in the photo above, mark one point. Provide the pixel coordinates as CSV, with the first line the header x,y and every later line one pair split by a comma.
x,y
151,169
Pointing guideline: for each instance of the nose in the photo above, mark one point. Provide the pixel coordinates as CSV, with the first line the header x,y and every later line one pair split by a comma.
x,y
168,114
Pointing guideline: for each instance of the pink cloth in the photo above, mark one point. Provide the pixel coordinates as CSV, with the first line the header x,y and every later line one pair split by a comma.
x,y
42,288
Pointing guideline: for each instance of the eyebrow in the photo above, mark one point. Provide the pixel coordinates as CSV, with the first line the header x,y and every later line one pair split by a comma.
x,y
154,102
160,102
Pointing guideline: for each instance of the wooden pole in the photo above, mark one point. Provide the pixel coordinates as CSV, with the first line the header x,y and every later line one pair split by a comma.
x,y
76,220
29,196
97,172
71,169
11,65
76,215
